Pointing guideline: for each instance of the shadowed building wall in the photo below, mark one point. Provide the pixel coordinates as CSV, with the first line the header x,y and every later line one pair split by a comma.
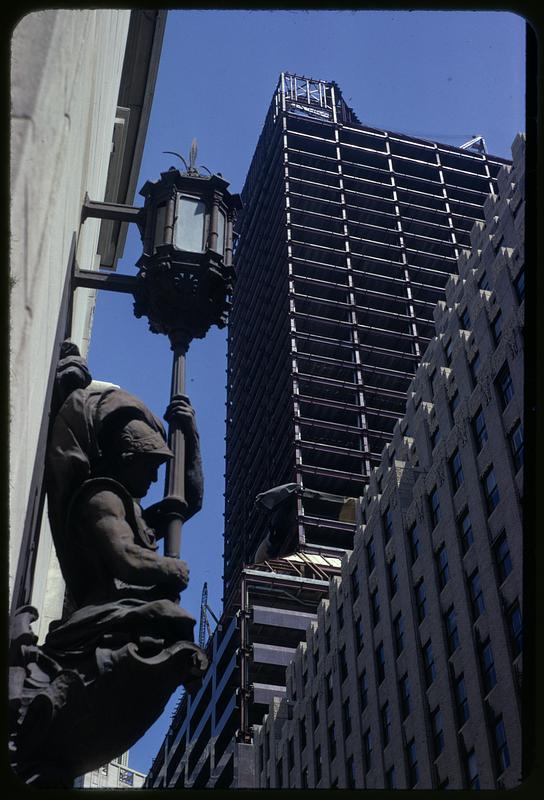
x,y
411,675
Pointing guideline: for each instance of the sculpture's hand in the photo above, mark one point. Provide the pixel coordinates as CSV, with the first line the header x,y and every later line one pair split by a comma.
x,y
181,414
183,573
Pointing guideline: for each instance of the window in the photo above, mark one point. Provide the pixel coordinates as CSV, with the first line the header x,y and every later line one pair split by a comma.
x,y
464,320
442,566
453,402
474,368
437,728
461,702
328,688
350,773
387,521
421,601
367,749
496,328
315,710
428,664
279,773
126,776
346,717
501,747
398,627
501,551
479,430
375,606
483,282
465,531
448,351
331,735
452,635
370,555
516,628
413,540
393,575
390,778
487,665
411,759
476,594
340,616
355,584
342,664
386,723
519,285
404,687
516,445
363,690
491,490
380,663
504,385
317,764
473,779
290,754
359,634
456,470
434,507
302,733
435,437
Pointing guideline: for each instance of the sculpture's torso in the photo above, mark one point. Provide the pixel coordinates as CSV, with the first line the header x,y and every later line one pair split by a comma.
x,y
89,578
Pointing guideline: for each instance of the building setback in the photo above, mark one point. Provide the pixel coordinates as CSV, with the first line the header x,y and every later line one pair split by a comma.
x,y
347,238
411,675
115,775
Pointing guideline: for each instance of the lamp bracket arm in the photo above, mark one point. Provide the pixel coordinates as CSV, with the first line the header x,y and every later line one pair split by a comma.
x,y
114,211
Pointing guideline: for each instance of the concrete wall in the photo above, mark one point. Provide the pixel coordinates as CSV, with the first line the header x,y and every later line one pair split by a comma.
x,y
65,76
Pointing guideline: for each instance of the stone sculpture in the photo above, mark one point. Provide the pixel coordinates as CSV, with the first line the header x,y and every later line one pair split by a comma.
x,y
108,667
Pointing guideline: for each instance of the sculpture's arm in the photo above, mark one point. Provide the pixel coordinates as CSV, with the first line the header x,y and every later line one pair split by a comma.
x,y
105,526
181,413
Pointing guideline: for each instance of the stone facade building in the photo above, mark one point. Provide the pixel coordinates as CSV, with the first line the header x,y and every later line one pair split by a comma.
x,y
411,675
82,82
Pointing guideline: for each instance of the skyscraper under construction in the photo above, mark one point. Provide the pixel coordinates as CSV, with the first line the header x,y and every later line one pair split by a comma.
x,y
346,241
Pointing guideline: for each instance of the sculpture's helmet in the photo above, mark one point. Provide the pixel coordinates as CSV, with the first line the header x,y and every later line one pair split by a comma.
x,y
137,437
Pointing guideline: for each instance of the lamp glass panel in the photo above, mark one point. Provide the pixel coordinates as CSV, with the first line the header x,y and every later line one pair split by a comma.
x,y
189,226
159,225
221,221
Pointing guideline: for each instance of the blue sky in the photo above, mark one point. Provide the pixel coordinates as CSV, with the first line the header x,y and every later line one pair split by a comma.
x,y
437,75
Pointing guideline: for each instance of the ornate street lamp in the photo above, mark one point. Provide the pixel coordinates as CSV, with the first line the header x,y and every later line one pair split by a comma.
x,y
184,281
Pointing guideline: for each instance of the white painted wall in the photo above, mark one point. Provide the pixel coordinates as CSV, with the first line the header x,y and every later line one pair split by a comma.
x,y
65,76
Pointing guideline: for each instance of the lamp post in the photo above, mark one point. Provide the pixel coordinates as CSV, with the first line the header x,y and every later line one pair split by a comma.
x,y
183,284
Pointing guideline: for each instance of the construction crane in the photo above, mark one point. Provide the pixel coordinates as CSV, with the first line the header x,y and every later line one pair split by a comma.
x,y
204,623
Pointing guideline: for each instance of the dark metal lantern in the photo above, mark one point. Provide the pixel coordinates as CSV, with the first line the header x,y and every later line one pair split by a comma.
x,y
185,273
